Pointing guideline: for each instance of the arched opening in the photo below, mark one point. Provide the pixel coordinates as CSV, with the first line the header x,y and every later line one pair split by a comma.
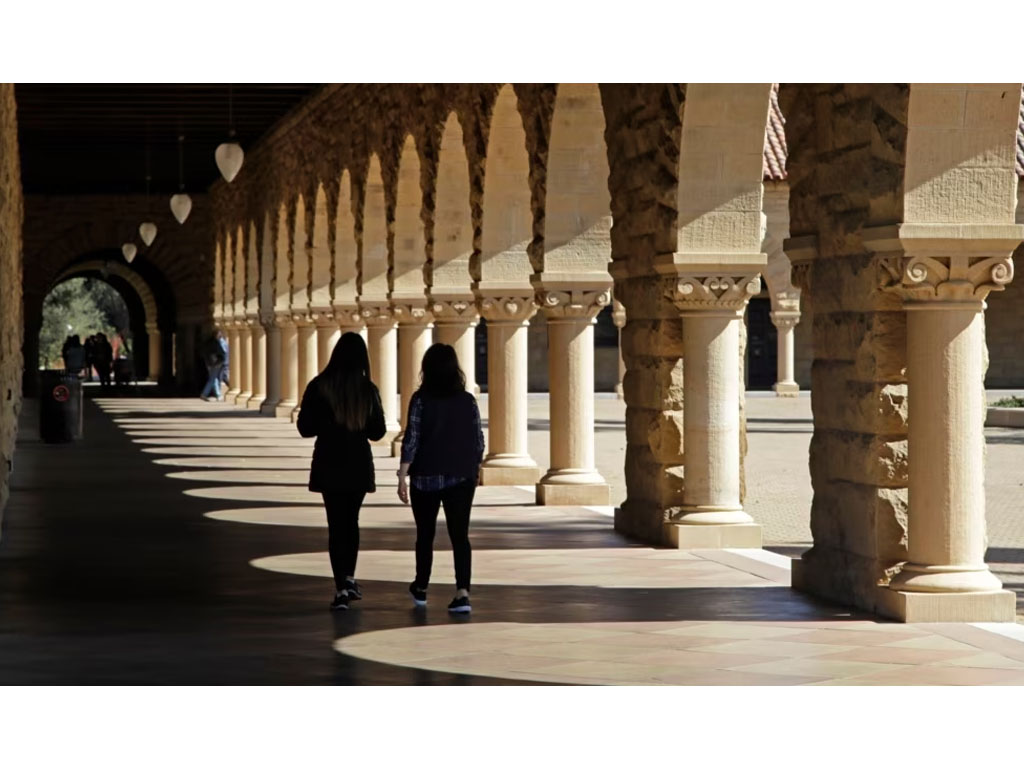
x,y
81,307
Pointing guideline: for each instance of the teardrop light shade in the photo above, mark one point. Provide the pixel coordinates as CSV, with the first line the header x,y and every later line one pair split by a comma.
x,y
147,231
181,207
229,157
129,250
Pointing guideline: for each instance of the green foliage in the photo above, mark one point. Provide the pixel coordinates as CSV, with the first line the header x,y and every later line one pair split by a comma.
x,y
1009,402
81,306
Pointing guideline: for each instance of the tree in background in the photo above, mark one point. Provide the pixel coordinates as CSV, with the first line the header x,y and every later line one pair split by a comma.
x,y
81,306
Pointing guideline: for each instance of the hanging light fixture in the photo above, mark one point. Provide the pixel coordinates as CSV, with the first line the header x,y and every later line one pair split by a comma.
x,y
147,229
181,203
229,155
129,250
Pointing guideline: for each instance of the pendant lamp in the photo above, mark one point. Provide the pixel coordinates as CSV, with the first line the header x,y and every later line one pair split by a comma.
x,y
147,229
229,155
129,250
181,203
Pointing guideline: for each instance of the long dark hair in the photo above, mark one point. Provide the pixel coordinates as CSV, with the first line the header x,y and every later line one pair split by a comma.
x,y
441,375
345,383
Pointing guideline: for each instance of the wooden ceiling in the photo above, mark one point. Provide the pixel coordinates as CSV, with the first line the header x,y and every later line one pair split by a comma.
x,y
92,139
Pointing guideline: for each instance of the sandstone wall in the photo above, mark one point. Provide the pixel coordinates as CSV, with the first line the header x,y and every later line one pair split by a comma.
x,y
11,212
846,164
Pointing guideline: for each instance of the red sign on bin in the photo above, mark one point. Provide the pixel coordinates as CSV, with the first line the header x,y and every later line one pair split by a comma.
x,y
61,393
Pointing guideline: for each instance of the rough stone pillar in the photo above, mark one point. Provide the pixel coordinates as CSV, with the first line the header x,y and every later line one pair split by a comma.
x,y
382,343
234,358
245,364
572,477
258,365
273,367
455,324
327,335
415,335
712,513
785,322
307,364
619,319
155,352
508,460
289,367
944,282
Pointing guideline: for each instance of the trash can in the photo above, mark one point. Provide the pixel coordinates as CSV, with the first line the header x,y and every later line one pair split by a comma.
x,y
60,407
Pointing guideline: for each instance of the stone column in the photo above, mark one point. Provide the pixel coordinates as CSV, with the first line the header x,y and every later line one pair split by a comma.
x,y
289,367
572,477
382,343
234,363
508,460
273,368
415,335
455,324
155,352
944,285
245,363
619,319
257,364
327,335
712,514
785,322
307,362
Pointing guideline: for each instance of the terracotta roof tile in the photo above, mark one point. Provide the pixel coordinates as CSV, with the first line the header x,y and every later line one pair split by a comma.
x,y
1020,138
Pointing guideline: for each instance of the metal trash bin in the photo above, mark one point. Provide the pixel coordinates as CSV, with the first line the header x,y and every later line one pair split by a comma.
x,y
60,407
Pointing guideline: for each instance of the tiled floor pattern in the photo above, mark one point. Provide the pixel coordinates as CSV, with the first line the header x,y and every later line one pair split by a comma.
x,y
261,465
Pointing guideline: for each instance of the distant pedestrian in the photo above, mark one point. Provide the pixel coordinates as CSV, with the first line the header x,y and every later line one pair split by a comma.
x,y
442,449
104,356
74,355
215,357
342,409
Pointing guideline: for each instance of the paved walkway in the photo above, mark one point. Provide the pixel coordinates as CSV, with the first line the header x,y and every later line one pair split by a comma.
x,y
178,544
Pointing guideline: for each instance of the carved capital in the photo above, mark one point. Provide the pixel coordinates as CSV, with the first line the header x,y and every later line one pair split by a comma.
x,y
618,314
376,315
574,304
323,317
411,314
454,310
785,321
940,276
507,309
715,292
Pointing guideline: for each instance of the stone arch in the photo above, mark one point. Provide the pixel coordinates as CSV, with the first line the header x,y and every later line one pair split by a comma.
x,y
453,215
320,253
283,261
218,278
268,266
239,252
345,268
301,255
410,238
374,275
507,228
252,269
121,271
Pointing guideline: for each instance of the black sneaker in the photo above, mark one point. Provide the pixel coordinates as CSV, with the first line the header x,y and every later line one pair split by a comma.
x,y
459,605
352,587
419,596
340,601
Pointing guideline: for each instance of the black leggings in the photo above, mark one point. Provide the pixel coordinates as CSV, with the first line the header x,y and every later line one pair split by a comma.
x,y
457,501
343,532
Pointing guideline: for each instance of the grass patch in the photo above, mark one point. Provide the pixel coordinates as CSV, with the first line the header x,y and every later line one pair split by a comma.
x,y
1009,402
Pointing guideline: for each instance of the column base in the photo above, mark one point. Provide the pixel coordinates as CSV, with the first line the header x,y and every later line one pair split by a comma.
x,y
255,403
231,394
284,410
396,447
577,495
711,536
269,407
242,398
912,607
618,392
786,389
499,475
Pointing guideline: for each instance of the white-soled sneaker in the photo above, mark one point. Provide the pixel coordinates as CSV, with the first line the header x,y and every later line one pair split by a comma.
x,y
460,605
419,596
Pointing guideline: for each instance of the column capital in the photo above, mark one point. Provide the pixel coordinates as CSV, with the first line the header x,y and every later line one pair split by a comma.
x,y
284,319
411,313
709,293
507,309
322,317
784,320
573,304
348,315
459,311
376,315
618,313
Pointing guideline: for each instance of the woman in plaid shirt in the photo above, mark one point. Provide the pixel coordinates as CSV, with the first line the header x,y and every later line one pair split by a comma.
x,y
442,450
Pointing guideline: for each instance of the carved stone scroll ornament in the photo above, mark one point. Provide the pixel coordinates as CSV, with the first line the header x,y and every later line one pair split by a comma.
x,y
453,310
959,277
377,315
716,291
412,314
507,309
575,304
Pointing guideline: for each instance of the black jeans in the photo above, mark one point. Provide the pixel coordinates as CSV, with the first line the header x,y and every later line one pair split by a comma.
x,y
343,532
457,501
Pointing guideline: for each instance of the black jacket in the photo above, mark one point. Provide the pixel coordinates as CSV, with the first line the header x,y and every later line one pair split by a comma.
x,y
342,460
448,440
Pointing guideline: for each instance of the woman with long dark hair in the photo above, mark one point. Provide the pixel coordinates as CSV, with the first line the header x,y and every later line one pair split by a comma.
x,y
341,408
442,450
